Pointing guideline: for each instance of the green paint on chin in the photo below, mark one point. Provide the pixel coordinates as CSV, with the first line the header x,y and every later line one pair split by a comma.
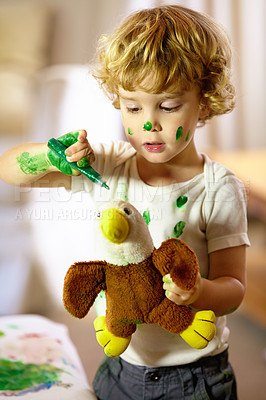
x,y
129,131
181,201
147,217
179,133
33,164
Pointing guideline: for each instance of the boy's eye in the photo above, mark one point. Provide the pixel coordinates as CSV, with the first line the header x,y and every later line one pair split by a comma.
x,y
133,109
170,109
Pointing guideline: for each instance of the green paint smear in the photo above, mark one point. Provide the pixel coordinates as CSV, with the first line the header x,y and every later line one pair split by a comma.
x,y
33,164
147,217
181,201
179,228
67,140
130,131
179,133
14,375
187,137
2,334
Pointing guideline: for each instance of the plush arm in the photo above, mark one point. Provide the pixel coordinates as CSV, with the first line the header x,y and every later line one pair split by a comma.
x,y
176,258
83,282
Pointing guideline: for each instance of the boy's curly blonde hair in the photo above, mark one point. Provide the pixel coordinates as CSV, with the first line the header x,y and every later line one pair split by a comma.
x,y
179,47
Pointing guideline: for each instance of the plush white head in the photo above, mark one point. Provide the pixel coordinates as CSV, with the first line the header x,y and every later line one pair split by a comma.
x,y
122,235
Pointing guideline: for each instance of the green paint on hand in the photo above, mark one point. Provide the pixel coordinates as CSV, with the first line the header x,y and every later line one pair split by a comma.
x,y
15,375
58,152
179,133
147,217
33,164
67,140
129,131
187,137
181,201
147,126
83,162
179,228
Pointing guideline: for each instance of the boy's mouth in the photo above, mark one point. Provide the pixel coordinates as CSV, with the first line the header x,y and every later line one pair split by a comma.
x,y
154,147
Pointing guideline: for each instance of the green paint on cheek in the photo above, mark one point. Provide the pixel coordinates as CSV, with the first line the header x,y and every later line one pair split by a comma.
x,y
147,217
179,228
15,375
33,164
179,133
129,131
181,201
187,137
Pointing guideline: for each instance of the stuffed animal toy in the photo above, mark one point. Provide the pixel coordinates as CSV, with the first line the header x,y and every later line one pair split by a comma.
x,y
131,276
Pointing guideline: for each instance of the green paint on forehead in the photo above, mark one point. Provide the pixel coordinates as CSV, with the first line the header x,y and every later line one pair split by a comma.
x,y
129,131
181,201
187,137
147,217
33,164
179,133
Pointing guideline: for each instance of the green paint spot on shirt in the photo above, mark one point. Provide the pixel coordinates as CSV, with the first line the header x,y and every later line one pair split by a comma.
x,y
179,133
2,334
147,216
33,164
179,228
15,375
123,192
129,131
181,201
187,137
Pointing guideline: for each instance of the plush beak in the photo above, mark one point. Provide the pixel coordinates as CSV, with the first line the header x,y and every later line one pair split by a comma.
x,y
114,225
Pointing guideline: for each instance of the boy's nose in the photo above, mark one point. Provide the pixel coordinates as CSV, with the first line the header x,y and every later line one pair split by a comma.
x,y
152,126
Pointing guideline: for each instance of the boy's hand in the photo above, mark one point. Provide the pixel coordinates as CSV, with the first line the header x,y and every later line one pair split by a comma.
x,y
180,296
78,150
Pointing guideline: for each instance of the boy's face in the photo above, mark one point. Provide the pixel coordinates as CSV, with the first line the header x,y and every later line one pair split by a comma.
x,y
173,117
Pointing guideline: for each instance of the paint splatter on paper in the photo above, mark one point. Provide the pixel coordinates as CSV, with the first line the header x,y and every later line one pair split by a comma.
x,y
15,375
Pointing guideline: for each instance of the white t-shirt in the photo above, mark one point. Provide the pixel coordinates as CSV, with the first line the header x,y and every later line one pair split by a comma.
x,y
208,212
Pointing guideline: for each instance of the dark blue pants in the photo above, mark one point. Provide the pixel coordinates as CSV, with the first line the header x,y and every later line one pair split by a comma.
x,y
208,378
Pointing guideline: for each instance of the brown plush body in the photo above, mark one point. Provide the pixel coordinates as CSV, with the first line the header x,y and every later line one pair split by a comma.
x,y
134,293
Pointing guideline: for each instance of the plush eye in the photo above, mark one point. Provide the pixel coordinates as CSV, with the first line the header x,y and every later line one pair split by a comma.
x,y
99,214
127,211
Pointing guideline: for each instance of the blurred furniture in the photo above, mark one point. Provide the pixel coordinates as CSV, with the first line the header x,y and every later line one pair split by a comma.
x,y
38,360
25,39
250,167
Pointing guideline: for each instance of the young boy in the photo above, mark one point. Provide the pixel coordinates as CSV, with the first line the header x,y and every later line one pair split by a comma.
x,y
168,70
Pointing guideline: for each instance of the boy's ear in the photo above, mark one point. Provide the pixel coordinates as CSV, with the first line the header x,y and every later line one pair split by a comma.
x,y
204,108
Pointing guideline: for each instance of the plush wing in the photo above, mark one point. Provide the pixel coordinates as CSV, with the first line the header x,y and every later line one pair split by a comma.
x,y
175,257
83,282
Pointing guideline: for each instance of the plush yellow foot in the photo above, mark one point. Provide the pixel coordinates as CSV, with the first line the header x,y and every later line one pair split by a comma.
x,y
201,331
113,345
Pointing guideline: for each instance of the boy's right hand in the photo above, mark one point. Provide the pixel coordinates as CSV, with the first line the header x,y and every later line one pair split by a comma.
x,y
78,150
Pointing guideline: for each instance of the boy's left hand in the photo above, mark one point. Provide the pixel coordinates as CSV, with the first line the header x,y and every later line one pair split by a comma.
x,y
178,295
